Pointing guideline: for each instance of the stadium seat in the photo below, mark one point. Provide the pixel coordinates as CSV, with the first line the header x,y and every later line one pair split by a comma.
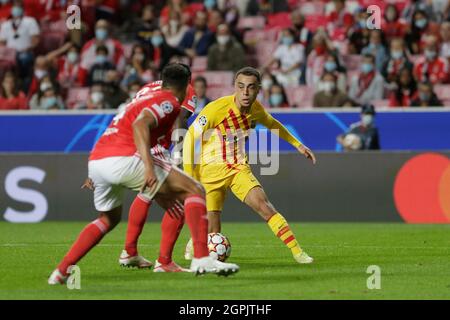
x,y
280,20
315,21
264,51
51,41
77,97
216,78
218,92
56,26
442,91
199,64
7,55
300,96
258,22
312,8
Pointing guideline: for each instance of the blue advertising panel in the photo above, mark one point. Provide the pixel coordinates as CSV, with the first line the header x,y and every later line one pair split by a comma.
x,y
78,132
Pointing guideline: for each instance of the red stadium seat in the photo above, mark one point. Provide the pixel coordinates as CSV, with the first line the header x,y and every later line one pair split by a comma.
x,y
216,78
265,50
218,92
77,97
315,21
199,64
312,8
51,41
258,22
300,96
280,20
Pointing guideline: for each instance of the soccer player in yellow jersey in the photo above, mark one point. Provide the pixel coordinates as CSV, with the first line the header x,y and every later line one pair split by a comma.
x,y
219,133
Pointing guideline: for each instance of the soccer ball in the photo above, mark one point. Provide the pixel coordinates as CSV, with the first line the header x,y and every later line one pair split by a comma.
x,y
219,246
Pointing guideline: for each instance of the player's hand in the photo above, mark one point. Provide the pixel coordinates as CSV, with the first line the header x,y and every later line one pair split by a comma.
x,y
150,180
88,184
307,153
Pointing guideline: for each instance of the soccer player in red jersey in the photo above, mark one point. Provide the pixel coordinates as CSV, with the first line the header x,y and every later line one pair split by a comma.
x,y
173,219
121,159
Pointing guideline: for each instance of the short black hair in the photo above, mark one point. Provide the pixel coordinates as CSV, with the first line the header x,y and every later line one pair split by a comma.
x,y
176,76
249,71
202,80
187,68
102,48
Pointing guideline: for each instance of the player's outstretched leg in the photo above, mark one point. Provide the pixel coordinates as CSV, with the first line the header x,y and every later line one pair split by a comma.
x,y
88,238
185,189
257,200
136,220
214,226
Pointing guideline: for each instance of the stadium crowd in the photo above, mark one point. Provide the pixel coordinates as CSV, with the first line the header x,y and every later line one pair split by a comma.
x,y
314,53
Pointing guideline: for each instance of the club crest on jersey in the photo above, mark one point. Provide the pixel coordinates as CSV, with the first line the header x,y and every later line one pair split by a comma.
x,y
167,107
202,120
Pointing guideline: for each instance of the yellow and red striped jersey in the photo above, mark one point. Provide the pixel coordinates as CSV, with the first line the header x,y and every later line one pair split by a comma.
x,y
215,143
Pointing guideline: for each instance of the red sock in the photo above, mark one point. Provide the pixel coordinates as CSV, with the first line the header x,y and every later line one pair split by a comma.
x,y
195,212
136,220
170,230
88,238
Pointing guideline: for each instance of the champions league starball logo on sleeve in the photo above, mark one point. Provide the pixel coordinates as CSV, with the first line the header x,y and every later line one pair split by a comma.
x,y
167,107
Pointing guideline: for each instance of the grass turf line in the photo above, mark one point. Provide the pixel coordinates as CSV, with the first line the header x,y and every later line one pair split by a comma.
x,y
414,262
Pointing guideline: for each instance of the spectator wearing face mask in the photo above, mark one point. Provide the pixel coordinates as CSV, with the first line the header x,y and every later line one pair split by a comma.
x,y
377,48
102,65
267,80
405,89
227,54
141,28
186,11
102,38
329,95
333,65
161,53
114,94
322,48
21,33
11,98
66,60
417,5
392,27
197,40
421,27
431,67
200,87
41,70
138,68
365,130
359,33
96,98
278,98
290,57
46,98
174,30
369,84
426,96
339,21
397,60
301,33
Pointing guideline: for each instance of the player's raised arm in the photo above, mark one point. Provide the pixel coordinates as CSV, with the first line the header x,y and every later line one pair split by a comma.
x,y
276,127
141,132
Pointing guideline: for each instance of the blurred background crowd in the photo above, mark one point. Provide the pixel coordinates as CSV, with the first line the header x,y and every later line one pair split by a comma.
x,y
312,54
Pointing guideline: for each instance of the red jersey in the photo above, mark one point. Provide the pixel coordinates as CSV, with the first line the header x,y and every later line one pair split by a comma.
x,y
189,104
118,139
434,71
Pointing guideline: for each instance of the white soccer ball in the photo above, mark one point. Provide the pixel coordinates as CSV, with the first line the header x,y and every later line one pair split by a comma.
x,y
219,246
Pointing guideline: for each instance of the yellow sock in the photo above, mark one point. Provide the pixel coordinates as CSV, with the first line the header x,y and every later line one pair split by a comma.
x,y
281,229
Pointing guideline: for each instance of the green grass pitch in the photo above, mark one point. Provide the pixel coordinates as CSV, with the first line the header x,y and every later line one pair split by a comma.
x,y
414,262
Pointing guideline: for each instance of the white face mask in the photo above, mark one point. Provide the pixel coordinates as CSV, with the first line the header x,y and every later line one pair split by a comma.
x,y
44,86
328,86
367,119
223,40
266,83
173,23
40,73
97,97
133,94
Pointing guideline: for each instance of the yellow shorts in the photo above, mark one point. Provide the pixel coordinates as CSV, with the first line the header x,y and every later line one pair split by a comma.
x,y
240,183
